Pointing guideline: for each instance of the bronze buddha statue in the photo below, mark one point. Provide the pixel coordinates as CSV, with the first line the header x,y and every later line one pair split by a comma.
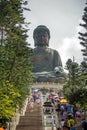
x,y
46,62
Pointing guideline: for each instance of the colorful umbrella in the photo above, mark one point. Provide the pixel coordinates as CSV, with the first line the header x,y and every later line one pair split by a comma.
x,y
63,101
53,93
61,97
55,96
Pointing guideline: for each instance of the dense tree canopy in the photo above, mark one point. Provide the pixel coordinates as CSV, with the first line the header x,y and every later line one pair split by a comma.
x,y
83,36
74,88
15,66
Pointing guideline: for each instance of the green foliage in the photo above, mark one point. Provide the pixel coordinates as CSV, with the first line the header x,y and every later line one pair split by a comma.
x,y
15,67
74,88
44,90
8,100
75,94
83,35
68,64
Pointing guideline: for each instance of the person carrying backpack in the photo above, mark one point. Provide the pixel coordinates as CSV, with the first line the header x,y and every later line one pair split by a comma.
x,y
84,124
58,108
62,109
65,123
70,123
78,116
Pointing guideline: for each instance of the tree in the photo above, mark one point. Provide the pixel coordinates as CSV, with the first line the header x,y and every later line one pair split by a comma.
x,y
72,68
14,49
83,36
9,101
15,66
67,67
74,89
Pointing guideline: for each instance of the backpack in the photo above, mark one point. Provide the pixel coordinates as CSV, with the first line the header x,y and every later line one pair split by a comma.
x,y
71,122
65,123
58,106
84,124
62,108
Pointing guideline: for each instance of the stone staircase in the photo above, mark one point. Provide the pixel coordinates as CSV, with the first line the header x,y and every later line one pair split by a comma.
x,y
32,120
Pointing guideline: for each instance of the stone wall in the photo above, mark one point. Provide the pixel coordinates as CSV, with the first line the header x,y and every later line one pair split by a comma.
x,y
15,119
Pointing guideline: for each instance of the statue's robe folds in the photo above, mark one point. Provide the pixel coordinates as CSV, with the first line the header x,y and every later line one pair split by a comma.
x,y
45,60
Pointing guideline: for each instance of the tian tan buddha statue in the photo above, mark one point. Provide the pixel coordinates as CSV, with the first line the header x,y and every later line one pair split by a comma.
x,y
46,62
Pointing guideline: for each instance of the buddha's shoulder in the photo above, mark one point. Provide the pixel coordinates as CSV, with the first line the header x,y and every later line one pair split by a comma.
x,y
53,50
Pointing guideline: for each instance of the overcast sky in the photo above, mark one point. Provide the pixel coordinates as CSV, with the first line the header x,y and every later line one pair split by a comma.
x,y
62,17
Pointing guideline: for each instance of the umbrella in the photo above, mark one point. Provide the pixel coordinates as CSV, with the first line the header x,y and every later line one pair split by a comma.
x,y
57,99
53,93
55,96
49,105
61,97
63,101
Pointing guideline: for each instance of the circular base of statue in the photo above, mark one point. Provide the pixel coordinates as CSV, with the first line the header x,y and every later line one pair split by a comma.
x,y
49,79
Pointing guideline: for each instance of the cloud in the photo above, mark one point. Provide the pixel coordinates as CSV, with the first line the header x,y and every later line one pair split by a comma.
x,y
70,47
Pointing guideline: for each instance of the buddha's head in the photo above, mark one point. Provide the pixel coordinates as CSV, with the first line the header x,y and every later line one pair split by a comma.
x,y
41,36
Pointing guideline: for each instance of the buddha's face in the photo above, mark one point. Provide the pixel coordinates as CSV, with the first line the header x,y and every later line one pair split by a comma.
x,y
41,39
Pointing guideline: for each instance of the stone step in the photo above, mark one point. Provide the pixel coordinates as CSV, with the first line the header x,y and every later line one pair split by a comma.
x,y
34,110
29,128
30,116
32,120
30,123
33,114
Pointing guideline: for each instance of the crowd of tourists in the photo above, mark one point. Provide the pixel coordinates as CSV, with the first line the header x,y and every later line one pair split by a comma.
x,y
34,98
69,115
